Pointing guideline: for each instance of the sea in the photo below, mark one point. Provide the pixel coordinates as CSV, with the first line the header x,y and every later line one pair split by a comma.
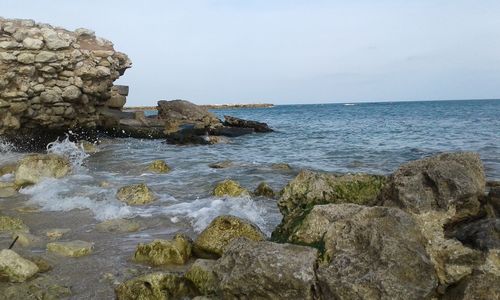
x,y
343,138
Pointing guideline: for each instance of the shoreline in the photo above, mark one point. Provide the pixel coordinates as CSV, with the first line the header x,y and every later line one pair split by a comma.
x,y
207,106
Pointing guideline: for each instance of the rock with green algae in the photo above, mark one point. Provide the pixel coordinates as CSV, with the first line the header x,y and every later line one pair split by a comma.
x,y
35,167
165,252
159,166
71,249
118,225
221,231
309,188
12,224
56,233
43,287
135,194
156,286
229,188
264,190
7,189
88,147
15,268
201,274
26,239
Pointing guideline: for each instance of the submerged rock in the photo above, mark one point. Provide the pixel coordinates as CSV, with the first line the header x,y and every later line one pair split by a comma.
x,y
229,188
88,147
237,122
281,166
7,189
135,194
165,252
25,239
7,169
14,268
202,275
12,224
264,190
159,166
445,182
118,225
33,168
155,286
266,270
56,233
310,188
220,232
221,164
43,287
71,249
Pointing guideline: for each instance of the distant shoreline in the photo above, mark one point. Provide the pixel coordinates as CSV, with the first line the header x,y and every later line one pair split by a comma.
x,y
208,106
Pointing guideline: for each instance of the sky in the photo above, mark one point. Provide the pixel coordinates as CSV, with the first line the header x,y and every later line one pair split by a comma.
x,y
291,51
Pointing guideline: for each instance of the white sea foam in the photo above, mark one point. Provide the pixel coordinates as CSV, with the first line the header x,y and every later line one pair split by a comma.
x,y
72,193
6,146
71,150
202,211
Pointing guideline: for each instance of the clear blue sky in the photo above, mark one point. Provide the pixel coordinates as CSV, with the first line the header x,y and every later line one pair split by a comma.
x,y
292,51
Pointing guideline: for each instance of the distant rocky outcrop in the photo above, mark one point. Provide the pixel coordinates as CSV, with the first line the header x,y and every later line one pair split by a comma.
x,y
52,79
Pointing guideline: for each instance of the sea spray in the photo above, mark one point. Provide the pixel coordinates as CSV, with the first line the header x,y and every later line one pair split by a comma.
x,y
201,212
71,150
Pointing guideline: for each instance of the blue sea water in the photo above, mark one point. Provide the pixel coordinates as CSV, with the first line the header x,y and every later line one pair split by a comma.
x,y
372,137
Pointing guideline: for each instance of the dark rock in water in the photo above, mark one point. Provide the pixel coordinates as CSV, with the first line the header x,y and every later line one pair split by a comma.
x,y
311,188
232,131
221,164
131,124
479,286
493,199
266,270
237,122
376,253
442,182
186,112
482,234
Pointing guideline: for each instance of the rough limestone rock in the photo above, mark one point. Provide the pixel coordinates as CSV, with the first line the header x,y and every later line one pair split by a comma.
x,y
118,226
184,112
264,190
34,168
229,188
451,259
159,166
308,189
377,253
493,199
451,181
155,286
481,234
12,224
14,268
52,79
202,275
221,231
165,252
26,239
237,122
480,286
7,169
135,194
71,249
56,233
266,270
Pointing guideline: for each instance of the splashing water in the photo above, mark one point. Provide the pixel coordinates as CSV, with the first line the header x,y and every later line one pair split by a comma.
x,y
6,146
202,211
71,150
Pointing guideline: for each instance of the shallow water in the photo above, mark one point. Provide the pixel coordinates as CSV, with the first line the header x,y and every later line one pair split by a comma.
x,y
373,138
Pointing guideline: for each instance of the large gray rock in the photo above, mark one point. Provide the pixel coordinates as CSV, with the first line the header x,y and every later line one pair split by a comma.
x,y
309,188
443,182
266,270
481,234
376,253
480,286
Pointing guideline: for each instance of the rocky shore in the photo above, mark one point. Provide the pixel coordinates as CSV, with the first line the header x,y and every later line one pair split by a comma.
x,y
430,230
